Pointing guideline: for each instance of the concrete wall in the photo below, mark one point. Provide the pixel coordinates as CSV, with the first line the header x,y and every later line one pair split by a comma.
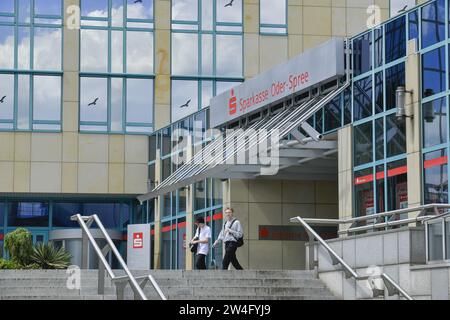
x,y
274,202
399,253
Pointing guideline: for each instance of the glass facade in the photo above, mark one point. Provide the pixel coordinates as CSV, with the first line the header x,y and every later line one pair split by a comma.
x,y
31,65
116,66
273,17
41,216
207,52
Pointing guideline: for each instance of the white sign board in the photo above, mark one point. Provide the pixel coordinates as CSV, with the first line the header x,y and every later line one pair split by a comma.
x,y
313,67
138,247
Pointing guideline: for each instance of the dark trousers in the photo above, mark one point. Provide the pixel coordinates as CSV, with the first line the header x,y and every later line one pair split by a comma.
x,y
230,256
200,262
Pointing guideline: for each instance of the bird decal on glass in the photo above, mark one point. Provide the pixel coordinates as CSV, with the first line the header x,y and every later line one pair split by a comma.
x,y
2,100
93,103
138,1
186,105
403,10
230,4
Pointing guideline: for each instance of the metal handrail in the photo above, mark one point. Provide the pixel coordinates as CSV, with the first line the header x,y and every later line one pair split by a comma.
x,y
391,285
352,221
85,222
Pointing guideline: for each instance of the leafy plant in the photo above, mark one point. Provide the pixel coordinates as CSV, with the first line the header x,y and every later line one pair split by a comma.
x,y
46,256
19,244
9,265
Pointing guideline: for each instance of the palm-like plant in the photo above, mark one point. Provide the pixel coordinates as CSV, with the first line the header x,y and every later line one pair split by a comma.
x,y
46,256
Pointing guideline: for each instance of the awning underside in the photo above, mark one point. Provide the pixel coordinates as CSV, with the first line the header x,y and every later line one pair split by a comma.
x,y
294,156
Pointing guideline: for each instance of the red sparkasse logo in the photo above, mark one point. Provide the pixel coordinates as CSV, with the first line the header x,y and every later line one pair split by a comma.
x,y
232,103
138,241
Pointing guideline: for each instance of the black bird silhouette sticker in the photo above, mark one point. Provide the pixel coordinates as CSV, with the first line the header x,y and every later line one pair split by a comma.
x,y
403,10
186,104
2,99
94,103
230,4
138,1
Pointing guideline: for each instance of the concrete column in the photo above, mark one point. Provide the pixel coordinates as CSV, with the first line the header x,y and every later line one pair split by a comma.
x,y
413,126
162,63
345,173
158,214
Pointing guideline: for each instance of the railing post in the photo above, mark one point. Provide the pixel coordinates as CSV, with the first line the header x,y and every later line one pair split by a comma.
x,y
312,262
85,251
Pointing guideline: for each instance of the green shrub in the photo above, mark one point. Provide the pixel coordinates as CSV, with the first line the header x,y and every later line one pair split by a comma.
x,y
19,244
9,265
46,256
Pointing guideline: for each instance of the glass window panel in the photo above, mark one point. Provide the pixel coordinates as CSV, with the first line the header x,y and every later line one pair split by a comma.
x,y
362,54
363,140
229,13
140,10
6,97
435,177
7,6
28,214
397,184
207,55
434,122
45,7
184,98
93,99
200,194
319,121
23,46
414,25
47,98
222,86
433,23
140,101
24,11
273,12
347,106
395,39
378,47
94,128
165,245
333,114
435,250
379,139
47,49
23,102
229,56
207,93
139,52
117,104
185,10
379,97
380,189
395,77
184,54
94,50
207,15
6,47
117,52
433,72
181,244
94,8
362,98
2,217
117,13
395,136
364,197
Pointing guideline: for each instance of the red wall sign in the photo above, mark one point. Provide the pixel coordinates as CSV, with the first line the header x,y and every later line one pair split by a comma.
x,y
138,242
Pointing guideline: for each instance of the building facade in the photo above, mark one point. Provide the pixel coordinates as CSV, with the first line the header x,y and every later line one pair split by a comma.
x,y
87,122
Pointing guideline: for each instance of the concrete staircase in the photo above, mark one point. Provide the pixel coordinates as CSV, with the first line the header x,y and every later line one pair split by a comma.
x,y
176,285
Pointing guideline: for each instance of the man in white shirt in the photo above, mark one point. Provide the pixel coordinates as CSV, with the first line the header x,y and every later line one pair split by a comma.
x,y
202,238
231,231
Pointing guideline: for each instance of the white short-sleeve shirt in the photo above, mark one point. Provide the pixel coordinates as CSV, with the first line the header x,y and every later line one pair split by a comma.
x,y
205,233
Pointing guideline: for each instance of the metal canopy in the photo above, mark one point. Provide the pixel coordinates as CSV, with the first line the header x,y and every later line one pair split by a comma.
x,y
291,152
